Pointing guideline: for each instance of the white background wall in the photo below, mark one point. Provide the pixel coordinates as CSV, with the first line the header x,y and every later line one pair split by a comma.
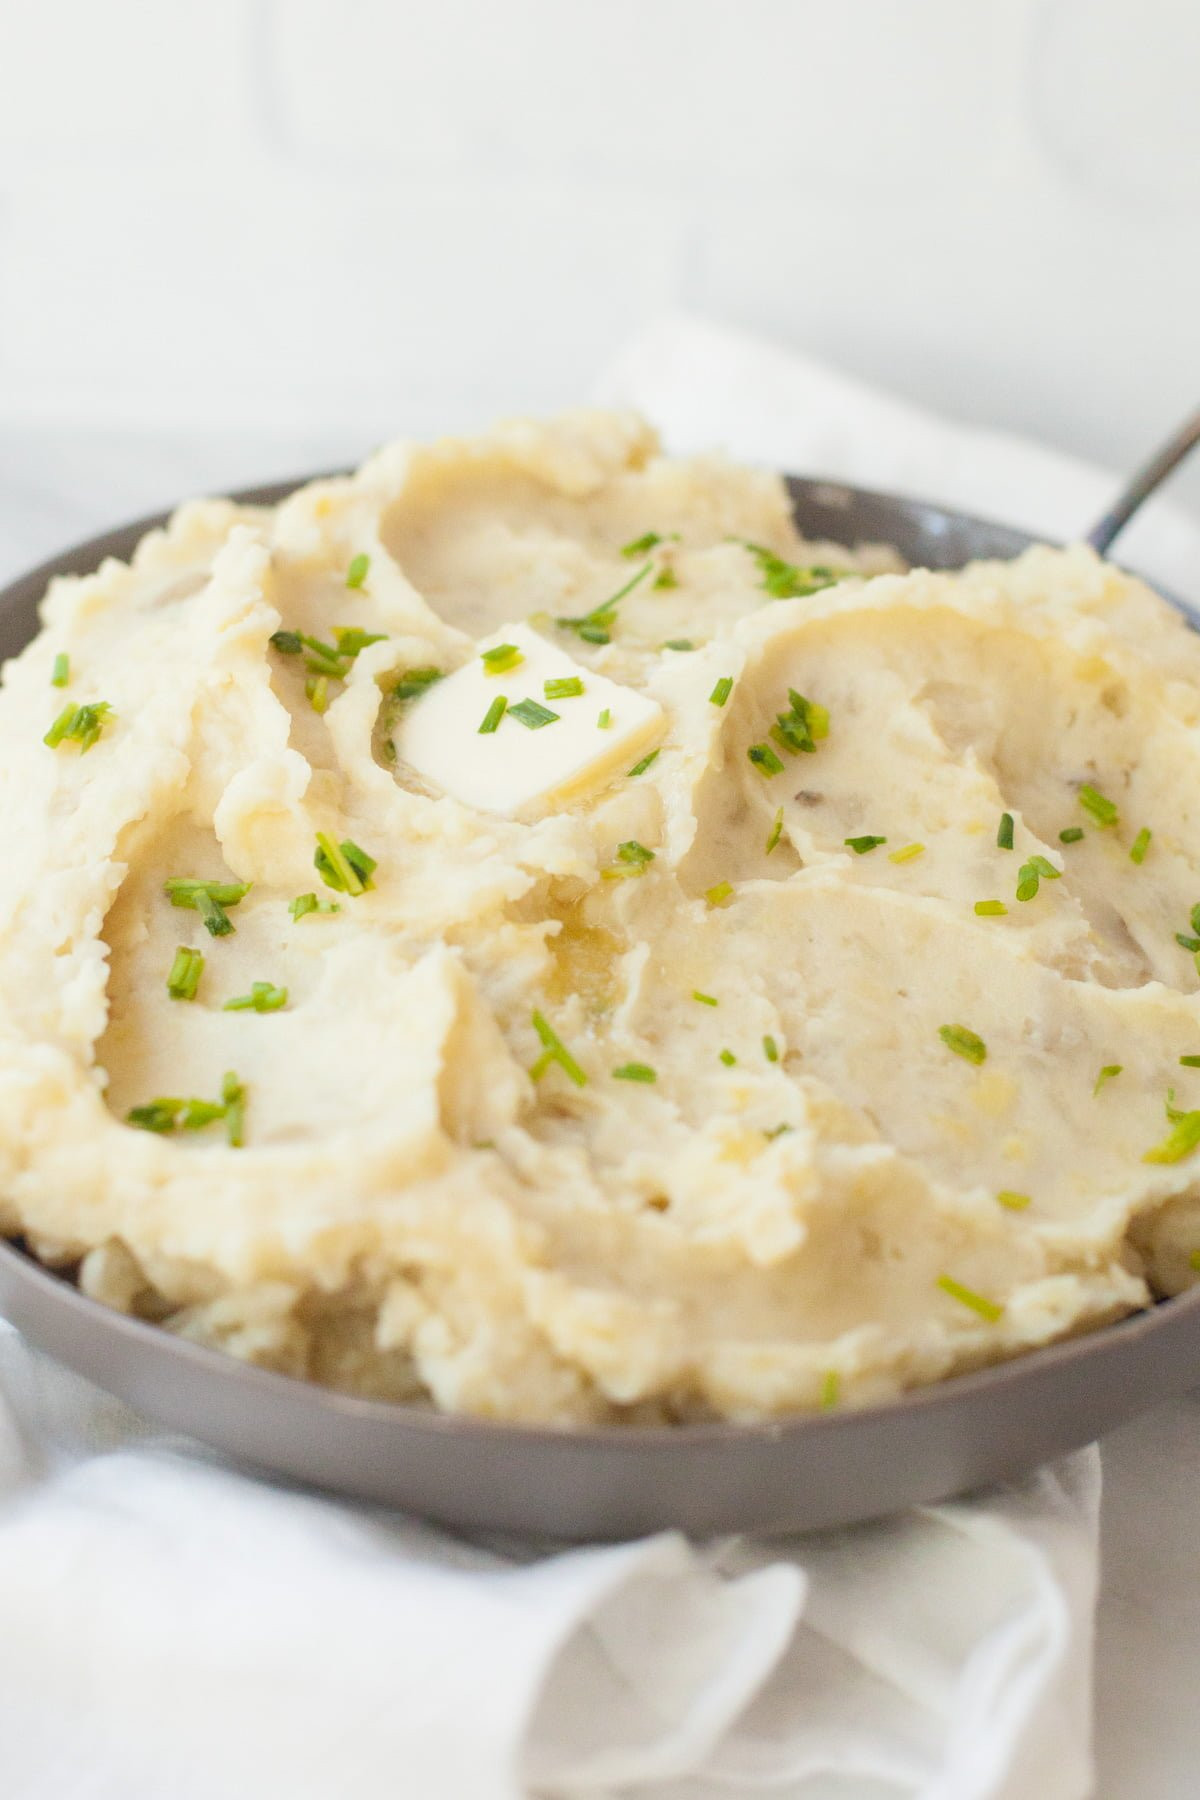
x,y
320,220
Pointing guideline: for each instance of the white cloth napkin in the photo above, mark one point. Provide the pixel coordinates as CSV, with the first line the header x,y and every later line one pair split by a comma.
x,y
171,1629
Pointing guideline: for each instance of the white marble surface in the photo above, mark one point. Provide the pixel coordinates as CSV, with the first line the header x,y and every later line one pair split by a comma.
x,y
56,488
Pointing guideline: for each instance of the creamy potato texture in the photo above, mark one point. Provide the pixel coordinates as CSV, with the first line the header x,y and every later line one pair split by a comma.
x,y
710,1089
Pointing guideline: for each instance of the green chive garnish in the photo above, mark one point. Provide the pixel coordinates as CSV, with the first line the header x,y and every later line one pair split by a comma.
x,y
1109,1072
1071,835
800,729
501,658
166,1115
722,691
563,688
1095,804
209,899
1190,1062
1188,943
350,640
316,689
1004,836
595,627
1179,1142
304,904
633,852
80,725
830,1390
62,670
728,1058
678,643
288,643
909,853
359,568
414,682
861,845
555,1051
1013,1201
776,831
344,867
1194,1260
532,714
262,998
705,999
785,580
642,545
184,976
987,1309
635,1072
770,1049
666,578
234,1096
1031,875
965,1043
990,909
639,768
1140,845
604,720
720,894
765,759
493,715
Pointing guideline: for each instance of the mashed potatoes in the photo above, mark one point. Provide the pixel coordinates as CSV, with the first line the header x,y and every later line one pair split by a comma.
x,y
822,1050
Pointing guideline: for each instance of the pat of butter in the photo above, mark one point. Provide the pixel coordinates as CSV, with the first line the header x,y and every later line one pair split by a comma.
x,y
519,771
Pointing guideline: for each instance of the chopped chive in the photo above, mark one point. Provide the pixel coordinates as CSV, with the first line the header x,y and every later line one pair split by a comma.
x,y
234,1096
565,687
1013,1201
776,831
786,581
678,643
350,640
770,1049
635,1071
262,998
964,1042
1194,1260
80,725
990,1310
1190,1062
765,759
1179,1142
909,853
166,1115
633,852
639,768
493,715
705,999
532,714
344,867
323,659
414,682
288,643
666,577
1004,836
62,670
304,904
728,1058
640,546
502,658
1028,882
1140,845
359,568
990,909
1097,806
604,720
719,895
1109,1072
595,627
1071,835
722,691
209,899
184,976
831,1385
800,728
556,1051
1188,943
861,845
316,690
1044,867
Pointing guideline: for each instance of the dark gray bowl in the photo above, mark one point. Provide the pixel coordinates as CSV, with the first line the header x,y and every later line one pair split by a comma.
x,y
617,1482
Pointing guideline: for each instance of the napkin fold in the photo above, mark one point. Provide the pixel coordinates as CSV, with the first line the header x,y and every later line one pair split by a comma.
x,y
175,1629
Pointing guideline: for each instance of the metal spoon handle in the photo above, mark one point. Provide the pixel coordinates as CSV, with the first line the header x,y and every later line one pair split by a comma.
x,y
1143,484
